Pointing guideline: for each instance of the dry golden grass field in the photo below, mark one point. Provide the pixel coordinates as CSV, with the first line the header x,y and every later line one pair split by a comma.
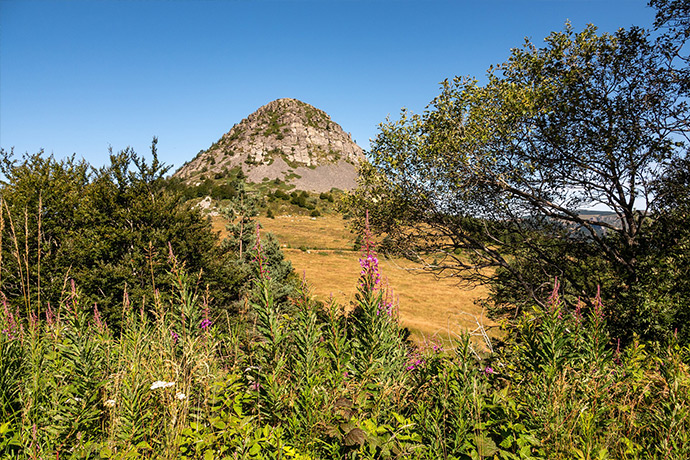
x,y
428,306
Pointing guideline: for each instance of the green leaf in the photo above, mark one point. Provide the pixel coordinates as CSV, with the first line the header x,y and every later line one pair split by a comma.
x,y
144,445
531,439
218,424
486,446
507,442
255,449
356,436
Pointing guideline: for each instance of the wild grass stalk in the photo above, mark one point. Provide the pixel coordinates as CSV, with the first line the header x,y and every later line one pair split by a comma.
x,y
305,380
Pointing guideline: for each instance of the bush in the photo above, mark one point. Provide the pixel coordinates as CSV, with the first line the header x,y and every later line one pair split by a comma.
x,y
357,245
104,229
326,197
282,195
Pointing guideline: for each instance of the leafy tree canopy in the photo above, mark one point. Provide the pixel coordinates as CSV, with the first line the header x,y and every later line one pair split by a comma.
x,y
109,230
494,177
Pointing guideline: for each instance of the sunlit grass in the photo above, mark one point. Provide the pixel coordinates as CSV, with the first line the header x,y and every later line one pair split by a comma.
x,y
428,306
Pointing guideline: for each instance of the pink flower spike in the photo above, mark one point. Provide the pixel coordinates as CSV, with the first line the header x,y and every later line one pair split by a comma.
x,y
554,298
50,316
100,324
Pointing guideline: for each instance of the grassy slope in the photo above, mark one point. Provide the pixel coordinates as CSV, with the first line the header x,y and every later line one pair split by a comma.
x,y
427,305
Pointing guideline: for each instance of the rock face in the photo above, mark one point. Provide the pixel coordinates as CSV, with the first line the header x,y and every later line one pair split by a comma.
x,y
285,139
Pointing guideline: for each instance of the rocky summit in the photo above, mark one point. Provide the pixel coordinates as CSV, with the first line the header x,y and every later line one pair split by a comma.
x,y
285,139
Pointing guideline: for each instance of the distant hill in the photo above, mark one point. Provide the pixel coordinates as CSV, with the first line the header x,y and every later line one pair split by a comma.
x,y
608,217
285,139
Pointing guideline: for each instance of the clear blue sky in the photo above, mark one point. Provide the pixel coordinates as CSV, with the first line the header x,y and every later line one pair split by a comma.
x,y
79,76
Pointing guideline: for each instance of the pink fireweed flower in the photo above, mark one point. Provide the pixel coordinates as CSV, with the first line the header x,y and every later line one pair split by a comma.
x,y
174,336
370,269
260,258
414,360
577,314
370,277
50,316
414,364
171,254
369,262
13,329
431,344
554,301
389,304
33,321
100,324
206,322
598,306
488,370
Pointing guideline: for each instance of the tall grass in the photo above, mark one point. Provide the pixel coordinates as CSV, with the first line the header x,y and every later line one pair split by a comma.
x,y
309,381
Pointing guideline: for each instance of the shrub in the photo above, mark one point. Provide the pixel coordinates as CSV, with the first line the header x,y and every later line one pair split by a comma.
x,y
105,229
357,245
282,195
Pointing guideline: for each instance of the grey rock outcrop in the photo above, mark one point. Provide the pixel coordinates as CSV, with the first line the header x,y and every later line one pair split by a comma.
x,y
285,139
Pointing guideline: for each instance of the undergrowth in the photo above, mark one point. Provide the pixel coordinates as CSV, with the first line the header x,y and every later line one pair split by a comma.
x,y
307,381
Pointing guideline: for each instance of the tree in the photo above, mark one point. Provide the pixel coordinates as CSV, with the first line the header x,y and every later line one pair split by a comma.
x,y
673,18
666,264
134,224
242,239
109,230
42,212
494,177
240,214
673,15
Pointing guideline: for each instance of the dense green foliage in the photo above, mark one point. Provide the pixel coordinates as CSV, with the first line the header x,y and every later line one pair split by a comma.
x,y
308,381
111,231
492,179
223,187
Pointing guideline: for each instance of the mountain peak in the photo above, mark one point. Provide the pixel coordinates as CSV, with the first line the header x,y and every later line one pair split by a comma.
x,y
285,139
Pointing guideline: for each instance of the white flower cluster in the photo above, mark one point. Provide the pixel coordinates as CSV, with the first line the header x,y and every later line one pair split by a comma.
x,y
161,384
109,403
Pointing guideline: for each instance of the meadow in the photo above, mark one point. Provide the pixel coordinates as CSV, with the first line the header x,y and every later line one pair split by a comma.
x,y
321,250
